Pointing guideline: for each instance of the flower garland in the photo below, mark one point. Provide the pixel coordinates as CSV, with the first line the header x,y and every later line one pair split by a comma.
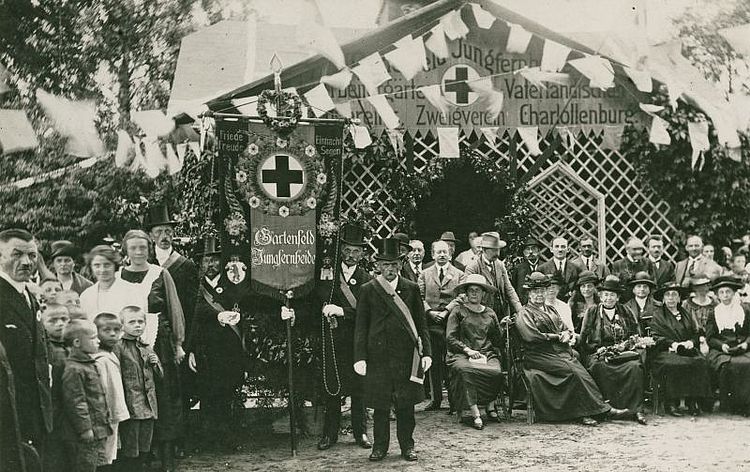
x,y
288,110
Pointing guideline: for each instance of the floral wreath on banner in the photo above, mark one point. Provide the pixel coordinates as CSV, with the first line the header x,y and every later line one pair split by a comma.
x,y
285,101
248,183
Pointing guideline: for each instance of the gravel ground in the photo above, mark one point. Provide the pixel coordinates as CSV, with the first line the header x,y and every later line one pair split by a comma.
x,y
710,442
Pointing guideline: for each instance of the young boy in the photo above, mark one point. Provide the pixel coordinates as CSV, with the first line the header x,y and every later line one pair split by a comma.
x,y
139,364
109,330
55,319
50,288
86,422
69,298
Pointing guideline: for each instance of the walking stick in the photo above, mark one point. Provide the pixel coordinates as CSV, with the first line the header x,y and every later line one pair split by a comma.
x,y
290,362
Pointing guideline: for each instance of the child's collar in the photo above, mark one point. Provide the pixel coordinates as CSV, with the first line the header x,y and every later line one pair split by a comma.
x,y
79,356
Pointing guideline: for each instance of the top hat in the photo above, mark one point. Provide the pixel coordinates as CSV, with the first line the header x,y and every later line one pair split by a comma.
x,y
352,234
388,249
448,236
586,276
666,287
642,277
726,281
611,284
699,279
531,242
210,247
537,280
403,239
491,240
63,248
475,279
158,215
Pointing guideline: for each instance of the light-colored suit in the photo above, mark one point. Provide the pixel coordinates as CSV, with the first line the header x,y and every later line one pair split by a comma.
x,y
506,295
437,294
702,266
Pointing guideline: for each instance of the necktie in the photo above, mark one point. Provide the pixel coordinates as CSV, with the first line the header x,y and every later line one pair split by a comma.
x,y
416,271
691,268
441,276
588,263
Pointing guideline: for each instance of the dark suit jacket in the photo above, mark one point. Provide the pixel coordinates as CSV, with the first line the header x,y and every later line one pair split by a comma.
x,y
597,267
643,316
570,276
518,277
184,272
381,339
408,273
665,272
25,343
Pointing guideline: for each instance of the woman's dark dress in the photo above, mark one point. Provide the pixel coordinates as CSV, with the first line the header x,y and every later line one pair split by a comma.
x,y
473,383
700,313
678,376
733,372
621,384
561,387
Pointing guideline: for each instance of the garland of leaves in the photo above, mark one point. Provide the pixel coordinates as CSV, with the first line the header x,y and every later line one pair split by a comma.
x,y
288,104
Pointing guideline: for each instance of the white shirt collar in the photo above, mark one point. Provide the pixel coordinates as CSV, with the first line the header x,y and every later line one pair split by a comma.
x,y
696,258
416,267
655,261
19,286
394,283
162,254
213,282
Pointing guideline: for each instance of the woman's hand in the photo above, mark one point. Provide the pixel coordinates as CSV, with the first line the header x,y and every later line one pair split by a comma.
x,y
565,337
179,354
725,348
743,346
472,353
191,362
688,344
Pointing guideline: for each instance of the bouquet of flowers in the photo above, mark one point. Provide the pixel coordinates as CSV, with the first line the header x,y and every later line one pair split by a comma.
x,y
624,351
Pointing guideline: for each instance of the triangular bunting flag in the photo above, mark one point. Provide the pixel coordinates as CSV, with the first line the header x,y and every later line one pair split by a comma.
x,y
372,72
195,148
537,77
321,40
518,39
125,151
554,56
83,138
567,136
491,99
641,79
16,132
182,151
490,134
396,137
361,136
529,135
434,95
726,132
448,143
139,161
155,160
409,58
340,80
674,90
454,26
612,137
384,109
659,133
484,19
436,42
174,165
650,108
735,154
698,133
319,100
344,109
153,122
597,69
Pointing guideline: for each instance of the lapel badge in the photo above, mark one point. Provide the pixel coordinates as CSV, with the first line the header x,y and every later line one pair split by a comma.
x,y
236,270
352,281
219,290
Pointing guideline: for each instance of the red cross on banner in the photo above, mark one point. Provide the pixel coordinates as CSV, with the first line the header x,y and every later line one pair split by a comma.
x,y
282,176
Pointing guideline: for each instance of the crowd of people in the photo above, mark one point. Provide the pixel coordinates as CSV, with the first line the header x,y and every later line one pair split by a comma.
x,y
95,364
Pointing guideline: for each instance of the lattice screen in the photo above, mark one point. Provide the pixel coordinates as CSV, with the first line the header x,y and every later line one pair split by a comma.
x,y
631,209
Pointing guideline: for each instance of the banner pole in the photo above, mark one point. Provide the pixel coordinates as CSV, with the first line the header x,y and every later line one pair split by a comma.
x,y
290,363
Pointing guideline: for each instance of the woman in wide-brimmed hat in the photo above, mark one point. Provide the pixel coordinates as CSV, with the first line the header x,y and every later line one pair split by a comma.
x,y
678,367
728,335
584,297
606,325
642,304
561,387
700,305
474,343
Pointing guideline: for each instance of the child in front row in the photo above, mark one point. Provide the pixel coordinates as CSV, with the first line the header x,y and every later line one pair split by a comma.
x,y
139,365
109,330
86,416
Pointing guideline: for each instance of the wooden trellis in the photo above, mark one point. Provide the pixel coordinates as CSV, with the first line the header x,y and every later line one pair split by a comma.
x,y
581,190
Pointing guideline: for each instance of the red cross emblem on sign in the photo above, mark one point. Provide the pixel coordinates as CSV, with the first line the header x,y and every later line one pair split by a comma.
x,y
281,176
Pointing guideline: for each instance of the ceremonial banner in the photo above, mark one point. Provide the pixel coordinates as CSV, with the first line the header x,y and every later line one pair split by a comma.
x,y
274,186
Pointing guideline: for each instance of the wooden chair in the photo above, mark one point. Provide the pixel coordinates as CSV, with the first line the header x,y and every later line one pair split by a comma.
x,y
513,373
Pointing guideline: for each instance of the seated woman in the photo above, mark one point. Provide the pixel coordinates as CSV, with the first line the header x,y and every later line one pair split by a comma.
x,y
642,304
621,378
584,297
561,387
563,309
700,306
678,367
728,334
474,341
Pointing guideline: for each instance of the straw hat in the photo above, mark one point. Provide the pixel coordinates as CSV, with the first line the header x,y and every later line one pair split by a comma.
x,y
474,279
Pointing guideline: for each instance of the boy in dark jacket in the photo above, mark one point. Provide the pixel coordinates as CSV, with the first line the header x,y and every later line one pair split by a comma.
x,y
56,318
86,416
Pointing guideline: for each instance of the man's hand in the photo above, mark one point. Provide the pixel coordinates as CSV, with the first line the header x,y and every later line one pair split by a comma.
x,y
287,314
725,348
333,310
673,347
688,344
87,436
360,367
191,362
426,363
179,354
565,336
743,346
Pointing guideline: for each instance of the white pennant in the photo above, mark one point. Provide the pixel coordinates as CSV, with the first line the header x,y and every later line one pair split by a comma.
x,y
641,79
123,155
409,58
344,109
518,39
372,72
529,135
340,80
434,95
436,42
322,40
153,122
659,134
612,137
650,108
174,165
182,151
537,77
319,100
396,137
361,136
155,160
454,26
597,69
484,19
490,134
16,132
448,142
384,109
491,99
139,161
674,90
76,121
698,141
568,138
554,56
195,147
4,80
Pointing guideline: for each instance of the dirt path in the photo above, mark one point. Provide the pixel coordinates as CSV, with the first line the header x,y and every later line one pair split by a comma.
x,y
712,442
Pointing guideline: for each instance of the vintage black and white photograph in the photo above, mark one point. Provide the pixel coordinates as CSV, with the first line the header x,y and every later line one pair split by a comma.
x,y
344,235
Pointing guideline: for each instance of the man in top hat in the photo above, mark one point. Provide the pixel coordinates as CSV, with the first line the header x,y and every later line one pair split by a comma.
x,y
339,300
663,269
470,255
560,263
391,350
643,304
63,265
215,345
504,301
403,244
530,250
413,266
587,260
634,262
696,263
436,285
